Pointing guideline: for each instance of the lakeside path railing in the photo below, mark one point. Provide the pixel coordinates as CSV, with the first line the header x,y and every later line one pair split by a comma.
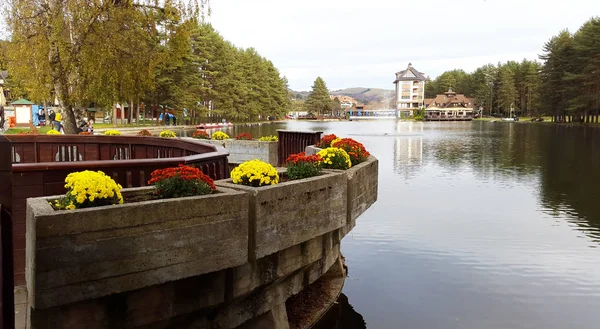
x,y
40,164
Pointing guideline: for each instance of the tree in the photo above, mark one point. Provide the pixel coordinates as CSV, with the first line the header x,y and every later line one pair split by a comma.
x,y
54,39
507,92
554,88
318,101
584,78
336,107
483,86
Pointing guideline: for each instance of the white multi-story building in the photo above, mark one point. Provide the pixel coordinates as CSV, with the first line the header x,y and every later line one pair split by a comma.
x,y
410,90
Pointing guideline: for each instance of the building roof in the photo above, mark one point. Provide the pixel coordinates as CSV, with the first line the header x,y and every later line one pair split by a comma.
x,y
450,98
410,74
22,101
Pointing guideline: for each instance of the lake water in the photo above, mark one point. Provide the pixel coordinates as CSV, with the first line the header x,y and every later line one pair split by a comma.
x,y
478,225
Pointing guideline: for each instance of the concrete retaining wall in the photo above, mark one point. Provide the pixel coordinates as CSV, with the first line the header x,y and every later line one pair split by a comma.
x,y
94,252
241,150
295,211
221,261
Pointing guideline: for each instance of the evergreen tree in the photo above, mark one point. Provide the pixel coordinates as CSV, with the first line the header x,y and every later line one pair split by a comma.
x,y
336,107
318,101
584,78
507,92
554,88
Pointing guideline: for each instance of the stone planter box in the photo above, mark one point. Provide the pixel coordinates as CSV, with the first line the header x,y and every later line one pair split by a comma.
x,y
362,185
89,253
241,150
293,212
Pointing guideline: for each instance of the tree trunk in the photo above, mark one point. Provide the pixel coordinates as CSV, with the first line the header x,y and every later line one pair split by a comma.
x,y
130,111
46,113
122,109
137,113
114,116
68,121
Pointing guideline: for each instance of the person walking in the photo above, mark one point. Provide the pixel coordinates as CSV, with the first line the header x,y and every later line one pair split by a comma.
x,y
52,118
58,120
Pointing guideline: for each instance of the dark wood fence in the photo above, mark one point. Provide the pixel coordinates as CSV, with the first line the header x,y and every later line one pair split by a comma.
x,y
291,142
41,163
7,312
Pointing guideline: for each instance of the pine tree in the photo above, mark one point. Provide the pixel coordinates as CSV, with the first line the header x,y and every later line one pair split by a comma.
x,y
554,88
318,101
507,92
585,75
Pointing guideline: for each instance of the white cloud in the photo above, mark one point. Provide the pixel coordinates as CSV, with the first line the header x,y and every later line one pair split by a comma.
x,y
362,43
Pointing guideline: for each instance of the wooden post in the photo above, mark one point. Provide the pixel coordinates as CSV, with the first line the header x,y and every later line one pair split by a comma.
x,y
7,300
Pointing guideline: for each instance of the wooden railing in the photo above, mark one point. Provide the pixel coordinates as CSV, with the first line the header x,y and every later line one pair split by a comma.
x,y
291,142
40,164
7,313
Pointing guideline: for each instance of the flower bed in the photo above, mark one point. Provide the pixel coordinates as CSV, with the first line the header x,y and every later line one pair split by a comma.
x,y
244,137
200,134
112,132
355,150
93,252
144,132
167,134
299,166
219,135
362,183
272,138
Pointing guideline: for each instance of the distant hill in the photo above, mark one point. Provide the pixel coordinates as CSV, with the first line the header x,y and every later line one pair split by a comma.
x,y
361,94
366,95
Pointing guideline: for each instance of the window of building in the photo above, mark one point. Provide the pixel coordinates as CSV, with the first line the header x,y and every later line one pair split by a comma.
x,y
405,97
405,90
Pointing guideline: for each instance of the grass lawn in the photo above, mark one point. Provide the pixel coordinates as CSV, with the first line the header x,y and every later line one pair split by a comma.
x,y
15,131
521,119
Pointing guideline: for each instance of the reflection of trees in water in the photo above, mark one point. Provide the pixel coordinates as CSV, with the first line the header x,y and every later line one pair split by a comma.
x,y
571,174
341,316
565,159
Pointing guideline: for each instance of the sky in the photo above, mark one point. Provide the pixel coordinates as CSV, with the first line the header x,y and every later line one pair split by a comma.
x,y
352,43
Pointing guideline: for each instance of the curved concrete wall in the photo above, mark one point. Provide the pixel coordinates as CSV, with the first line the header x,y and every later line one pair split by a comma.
x,y
258,247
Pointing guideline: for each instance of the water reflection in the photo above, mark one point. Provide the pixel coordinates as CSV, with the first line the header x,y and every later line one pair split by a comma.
x,y
477,225
341,316
408,148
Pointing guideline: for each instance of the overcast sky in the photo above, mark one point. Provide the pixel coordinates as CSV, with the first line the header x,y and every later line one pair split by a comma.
x,y
353,43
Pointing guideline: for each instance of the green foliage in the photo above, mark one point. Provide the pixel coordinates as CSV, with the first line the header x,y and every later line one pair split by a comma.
x,y
318,101
157,53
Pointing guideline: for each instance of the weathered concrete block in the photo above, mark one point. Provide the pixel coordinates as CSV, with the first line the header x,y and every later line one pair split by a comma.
x,y
362,187
241,150
93,252
293,212
158,306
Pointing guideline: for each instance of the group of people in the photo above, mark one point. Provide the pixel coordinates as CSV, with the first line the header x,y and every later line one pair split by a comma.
x,y
168,118
56,122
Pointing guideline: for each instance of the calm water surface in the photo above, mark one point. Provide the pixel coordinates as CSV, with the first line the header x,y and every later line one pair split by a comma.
x,y
478,225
